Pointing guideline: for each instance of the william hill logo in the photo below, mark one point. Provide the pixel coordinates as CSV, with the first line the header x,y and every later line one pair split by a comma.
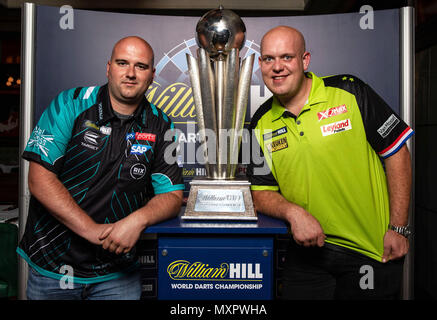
x,y
184,270
176,100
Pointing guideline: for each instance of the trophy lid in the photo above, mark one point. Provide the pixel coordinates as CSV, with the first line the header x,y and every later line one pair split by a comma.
x,y
219,31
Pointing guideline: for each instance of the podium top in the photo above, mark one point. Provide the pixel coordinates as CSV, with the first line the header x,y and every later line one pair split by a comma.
x,y
264,225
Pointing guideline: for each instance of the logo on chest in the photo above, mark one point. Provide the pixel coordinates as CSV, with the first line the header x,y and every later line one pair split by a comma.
x,y
336,127
141,136
91,140
277,145
275,133
331,112
137,171
139,149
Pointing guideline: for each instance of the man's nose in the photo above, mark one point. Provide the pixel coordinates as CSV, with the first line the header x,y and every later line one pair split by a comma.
x,y
277,65
130,72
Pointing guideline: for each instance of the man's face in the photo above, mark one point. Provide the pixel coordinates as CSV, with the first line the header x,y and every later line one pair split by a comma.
x,y
130,71
283,63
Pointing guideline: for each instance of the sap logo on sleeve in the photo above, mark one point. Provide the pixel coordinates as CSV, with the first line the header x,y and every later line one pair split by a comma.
x,y
139,149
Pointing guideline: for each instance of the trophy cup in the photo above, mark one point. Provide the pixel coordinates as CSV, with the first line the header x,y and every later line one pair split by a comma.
x,y
220,91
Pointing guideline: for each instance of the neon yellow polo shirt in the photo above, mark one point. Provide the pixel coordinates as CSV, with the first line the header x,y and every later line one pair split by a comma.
x,y
327,158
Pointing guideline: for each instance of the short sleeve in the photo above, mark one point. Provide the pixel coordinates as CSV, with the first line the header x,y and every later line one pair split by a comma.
x,y
49,139
385,130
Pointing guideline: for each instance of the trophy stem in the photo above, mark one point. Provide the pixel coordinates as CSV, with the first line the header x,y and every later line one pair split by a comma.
x,y
208,92
221,157
240,109
229,113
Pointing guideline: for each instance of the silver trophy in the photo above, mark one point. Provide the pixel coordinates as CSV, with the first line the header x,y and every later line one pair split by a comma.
x,y
220,90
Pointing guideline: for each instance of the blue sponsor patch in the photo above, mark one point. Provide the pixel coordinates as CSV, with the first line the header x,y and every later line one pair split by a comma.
x,y
275,133
130,136
139,148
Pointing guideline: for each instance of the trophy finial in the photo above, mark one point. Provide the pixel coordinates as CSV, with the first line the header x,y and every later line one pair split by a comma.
x,y
219,31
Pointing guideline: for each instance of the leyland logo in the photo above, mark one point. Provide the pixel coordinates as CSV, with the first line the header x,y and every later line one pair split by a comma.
x,y
185,270
336,127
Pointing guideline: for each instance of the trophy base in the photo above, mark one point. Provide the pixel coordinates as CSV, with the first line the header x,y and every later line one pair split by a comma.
x,y
212,199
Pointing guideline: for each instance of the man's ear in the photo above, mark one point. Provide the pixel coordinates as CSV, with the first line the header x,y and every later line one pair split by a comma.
x,y
306,58
107,68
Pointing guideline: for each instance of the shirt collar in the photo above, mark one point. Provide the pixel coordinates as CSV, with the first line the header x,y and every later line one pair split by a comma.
x,y
106,113
317,95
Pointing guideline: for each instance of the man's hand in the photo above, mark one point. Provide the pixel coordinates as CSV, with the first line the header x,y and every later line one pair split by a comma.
x,y
395,246
95,232
121,236
306,230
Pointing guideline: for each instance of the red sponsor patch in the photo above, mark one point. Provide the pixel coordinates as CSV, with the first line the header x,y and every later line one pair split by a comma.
x,y
145,136
332,112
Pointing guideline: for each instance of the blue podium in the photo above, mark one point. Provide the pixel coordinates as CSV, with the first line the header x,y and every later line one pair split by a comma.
x,y
215,260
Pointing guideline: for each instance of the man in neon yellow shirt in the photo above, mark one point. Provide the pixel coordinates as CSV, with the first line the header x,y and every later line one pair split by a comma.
x,y
322,139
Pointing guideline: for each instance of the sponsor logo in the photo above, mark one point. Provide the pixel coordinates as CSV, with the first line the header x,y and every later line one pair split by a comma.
x,y
277,145
137,171
336,127
91,137
139,149
130,136
106,130
331,112
91,125
40,140
100,111
185,270
145,136
275,133
141,136
388,126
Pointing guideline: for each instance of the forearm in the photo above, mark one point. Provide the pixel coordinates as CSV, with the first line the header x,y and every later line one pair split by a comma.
x,y
126,232
305,228
51,193
161,207
399,179
274,204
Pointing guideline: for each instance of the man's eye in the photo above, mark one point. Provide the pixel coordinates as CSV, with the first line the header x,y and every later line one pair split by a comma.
x,y
121,63
267,59
141,67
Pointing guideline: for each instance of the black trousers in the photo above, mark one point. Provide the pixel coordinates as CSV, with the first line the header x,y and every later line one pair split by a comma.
x,y
334,272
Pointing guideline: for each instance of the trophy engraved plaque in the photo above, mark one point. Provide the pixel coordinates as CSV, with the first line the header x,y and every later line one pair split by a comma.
x,y
220,90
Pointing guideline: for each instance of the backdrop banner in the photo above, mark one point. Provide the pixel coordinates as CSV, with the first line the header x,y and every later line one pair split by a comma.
x,y
73,47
